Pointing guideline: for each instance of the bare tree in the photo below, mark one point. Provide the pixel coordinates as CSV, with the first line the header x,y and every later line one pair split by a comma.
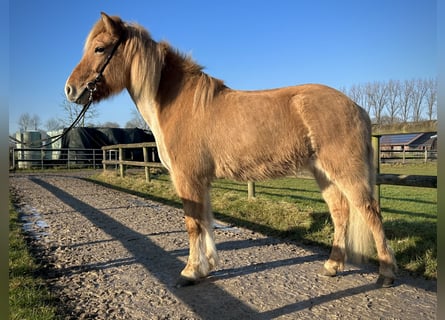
x,y
376,97
357,93
109,124
395,101
72,110
35,122
393,105
27,122
431,98
137,121
406,91
53,124
24,121
417,99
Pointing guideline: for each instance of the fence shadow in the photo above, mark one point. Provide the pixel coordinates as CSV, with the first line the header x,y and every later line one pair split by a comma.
x,y
207,300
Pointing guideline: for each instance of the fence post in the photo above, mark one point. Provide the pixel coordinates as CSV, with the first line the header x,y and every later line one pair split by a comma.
x,y
13,158
121,165
426,155
376,146
42,154
146,167
250,190
94,159
104,157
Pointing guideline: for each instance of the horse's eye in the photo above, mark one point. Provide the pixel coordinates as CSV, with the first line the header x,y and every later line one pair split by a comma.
x,y
99,50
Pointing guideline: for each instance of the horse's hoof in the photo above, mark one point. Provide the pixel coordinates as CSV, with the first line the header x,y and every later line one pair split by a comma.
x,y
328,273
185,282
385,282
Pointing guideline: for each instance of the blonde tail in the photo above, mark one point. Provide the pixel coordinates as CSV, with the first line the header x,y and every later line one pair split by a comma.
x,y
359,239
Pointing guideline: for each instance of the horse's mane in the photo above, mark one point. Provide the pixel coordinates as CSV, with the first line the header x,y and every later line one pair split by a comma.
x,y
149,59
205,86
158,56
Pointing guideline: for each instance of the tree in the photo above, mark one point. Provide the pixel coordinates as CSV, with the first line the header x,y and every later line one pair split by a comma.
x,y
137,121
53,124
35,122
405,99
24,121
395,101
393,106
377,97
357,93
27,122
417,98
109,124
72,110
431,99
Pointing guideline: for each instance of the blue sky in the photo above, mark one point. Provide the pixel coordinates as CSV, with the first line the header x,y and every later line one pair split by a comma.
x,y
248,44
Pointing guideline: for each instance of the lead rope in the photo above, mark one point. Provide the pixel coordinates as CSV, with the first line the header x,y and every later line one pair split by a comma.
x,y
91,88
75,122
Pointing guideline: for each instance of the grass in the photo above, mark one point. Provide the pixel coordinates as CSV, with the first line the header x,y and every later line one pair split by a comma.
x,y
411,220
293,209
29,297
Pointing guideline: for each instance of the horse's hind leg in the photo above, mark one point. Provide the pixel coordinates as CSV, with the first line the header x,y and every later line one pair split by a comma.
x,y
370,210
199,223
362,202
339,210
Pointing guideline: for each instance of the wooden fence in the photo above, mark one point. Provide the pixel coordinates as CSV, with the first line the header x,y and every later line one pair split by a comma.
x,y
390,179
112,150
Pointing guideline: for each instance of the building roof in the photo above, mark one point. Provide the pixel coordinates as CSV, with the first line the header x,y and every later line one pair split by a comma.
x,y
411,139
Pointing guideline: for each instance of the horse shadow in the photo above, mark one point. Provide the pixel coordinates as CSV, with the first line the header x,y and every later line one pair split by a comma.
x,y
207,299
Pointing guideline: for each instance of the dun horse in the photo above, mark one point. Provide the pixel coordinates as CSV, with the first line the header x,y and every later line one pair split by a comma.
x,y
206,130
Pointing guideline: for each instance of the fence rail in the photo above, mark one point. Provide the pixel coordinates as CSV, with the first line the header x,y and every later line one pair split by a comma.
x,y
148,151
42,158
404,156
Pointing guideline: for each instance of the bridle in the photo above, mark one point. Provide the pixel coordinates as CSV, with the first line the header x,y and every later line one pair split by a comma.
x,y
91,87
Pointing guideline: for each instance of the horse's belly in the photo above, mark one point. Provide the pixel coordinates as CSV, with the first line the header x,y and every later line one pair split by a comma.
x,y
260,166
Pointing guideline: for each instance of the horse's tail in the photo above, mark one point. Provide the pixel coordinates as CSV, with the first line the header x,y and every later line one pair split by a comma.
x,y
359,240
360,244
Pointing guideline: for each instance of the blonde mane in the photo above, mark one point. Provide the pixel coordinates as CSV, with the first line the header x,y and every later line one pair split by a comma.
x,y
146,54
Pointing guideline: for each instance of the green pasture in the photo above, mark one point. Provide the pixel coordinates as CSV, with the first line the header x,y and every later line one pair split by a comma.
x,y
293,209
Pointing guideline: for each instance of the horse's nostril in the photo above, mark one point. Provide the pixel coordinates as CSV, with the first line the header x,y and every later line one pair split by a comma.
x,y
68,91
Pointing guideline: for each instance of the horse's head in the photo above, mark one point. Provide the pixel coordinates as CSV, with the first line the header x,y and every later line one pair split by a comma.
x,y
101,72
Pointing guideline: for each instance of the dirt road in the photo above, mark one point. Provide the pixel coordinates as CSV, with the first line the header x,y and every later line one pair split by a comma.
x,y
111,255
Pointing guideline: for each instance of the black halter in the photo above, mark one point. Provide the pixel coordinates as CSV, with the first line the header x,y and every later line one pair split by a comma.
x,y
92,85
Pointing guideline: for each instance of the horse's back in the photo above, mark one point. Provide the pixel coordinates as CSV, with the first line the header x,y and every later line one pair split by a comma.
x,y
270,133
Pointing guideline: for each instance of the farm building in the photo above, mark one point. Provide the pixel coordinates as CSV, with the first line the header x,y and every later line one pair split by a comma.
x,y
411,141
77,145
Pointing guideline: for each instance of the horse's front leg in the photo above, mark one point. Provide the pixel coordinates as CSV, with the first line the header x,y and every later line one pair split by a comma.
x,y
199,223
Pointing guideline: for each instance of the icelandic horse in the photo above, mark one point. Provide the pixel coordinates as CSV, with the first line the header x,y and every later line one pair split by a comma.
x,y
206,130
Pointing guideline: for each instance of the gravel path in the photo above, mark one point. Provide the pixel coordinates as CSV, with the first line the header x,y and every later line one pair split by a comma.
x,y
111,255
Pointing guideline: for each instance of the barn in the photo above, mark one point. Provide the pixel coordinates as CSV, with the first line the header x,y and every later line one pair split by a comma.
x,y
410,141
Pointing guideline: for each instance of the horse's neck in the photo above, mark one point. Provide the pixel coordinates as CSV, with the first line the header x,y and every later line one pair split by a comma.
x,y
143,89
145,72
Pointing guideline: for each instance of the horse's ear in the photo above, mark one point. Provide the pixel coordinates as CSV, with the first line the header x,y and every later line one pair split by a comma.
x,y
110,25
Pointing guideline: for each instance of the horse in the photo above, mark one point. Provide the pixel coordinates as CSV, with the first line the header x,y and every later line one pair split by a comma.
x,y
205,130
